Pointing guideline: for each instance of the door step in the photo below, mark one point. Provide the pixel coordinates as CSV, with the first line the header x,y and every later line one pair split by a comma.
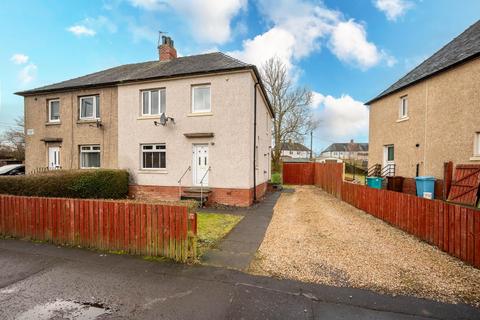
x,y
197,190
196,193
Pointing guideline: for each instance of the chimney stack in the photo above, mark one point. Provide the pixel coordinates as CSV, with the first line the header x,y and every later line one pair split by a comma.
x,y
166,50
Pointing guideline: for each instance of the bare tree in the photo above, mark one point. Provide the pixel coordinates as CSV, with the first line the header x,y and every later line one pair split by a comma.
x,y
291,106
14,138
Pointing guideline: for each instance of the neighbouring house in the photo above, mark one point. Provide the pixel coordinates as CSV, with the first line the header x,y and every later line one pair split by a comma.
x,y
346,151
176,124
294,150
432,114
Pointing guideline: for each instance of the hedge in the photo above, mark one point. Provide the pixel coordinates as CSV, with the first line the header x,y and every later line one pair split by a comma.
x,y
92,184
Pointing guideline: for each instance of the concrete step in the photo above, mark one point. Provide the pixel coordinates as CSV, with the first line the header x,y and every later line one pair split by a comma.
x,y
194,190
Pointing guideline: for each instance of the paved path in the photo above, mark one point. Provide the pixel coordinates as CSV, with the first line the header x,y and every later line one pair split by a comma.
x,y
238,248
42,281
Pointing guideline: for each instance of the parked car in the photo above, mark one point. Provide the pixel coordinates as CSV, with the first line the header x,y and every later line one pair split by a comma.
x,y
12,170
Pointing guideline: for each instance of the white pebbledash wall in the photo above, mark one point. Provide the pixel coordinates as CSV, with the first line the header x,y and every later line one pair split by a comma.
x,y
230,119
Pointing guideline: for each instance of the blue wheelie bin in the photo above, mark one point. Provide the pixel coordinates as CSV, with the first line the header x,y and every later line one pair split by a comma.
x,y
374,182
425,187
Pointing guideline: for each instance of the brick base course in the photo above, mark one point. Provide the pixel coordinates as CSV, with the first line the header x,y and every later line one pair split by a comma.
x,y
225,196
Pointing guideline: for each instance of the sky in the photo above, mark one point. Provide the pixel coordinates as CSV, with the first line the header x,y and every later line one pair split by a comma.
x,y
346,52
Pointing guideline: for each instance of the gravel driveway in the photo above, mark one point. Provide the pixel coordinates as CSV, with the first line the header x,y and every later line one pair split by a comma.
x,y
315,237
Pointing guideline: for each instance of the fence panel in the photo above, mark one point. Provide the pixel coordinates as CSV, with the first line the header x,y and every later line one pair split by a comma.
x,y
136,228
298,173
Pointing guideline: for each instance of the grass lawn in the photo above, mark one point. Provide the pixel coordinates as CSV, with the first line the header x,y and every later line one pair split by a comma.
x,y
211,227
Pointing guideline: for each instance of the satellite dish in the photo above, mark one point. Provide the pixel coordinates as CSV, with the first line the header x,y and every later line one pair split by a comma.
x,y
163,119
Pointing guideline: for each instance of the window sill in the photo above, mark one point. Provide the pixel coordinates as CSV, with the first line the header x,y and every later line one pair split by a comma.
x,y
152,171
475,158
403,119
199,114
53,123
149,117
87,121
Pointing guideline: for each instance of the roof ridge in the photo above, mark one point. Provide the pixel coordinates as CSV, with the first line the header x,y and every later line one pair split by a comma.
x,y
458,58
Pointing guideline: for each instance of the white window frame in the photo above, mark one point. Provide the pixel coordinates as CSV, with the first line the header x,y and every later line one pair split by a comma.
x,y
90,150
403,102
50,111
159,90
96,100
154,149
476,145
207,85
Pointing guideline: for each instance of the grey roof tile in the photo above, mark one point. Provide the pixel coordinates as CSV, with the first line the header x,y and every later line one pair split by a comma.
x,y
362,147
463,47
197,64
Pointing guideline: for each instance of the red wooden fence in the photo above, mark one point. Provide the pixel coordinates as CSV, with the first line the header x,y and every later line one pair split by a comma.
x,y
452,228
298,173
135,228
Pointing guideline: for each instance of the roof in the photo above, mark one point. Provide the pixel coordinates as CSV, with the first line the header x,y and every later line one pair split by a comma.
x,y
461,49
294,146
151,70
347,147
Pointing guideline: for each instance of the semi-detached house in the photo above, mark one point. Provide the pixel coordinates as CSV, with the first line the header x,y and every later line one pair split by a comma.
x,y
176,124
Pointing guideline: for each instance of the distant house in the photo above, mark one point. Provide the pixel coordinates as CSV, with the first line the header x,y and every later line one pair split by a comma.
x,y
346,151
178,125
294,150
432,114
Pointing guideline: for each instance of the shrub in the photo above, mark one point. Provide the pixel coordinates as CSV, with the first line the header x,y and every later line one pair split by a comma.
x,y
93,184
276,178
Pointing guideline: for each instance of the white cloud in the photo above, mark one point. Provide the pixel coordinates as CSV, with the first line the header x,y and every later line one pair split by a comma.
x,y
148,4
28,73
19,58
209,20
80,30
298,29
90,25
340,118
349,43
393,9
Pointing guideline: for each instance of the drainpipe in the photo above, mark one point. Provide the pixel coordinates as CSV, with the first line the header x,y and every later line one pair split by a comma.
x,y
255,142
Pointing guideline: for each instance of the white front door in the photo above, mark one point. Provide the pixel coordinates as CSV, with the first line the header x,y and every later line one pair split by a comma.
x,y
54,157
200,164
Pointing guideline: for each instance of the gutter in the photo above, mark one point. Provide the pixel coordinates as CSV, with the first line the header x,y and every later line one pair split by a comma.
x,y
122,82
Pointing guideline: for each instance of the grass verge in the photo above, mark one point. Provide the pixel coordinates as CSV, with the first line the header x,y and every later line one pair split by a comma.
x,y
211,227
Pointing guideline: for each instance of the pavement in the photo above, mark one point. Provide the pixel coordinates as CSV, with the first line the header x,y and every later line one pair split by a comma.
x,y
43,281
239,247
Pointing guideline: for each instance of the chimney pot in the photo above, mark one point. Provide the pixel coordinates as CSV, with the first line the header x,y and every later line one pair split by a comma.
x,y
166,51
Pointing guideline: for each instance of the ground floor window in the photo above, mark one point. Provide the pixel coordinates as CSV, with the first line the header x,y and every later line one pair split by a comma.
x,y
153,156
90,156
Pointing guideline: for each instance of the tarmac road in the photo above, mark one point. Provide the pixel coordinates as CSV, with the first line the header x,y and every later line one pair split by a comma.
x,y
42,281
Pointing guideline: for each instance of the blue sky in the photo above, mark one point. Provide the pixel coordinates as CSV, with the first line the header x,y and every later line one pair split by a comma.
x,y
345,51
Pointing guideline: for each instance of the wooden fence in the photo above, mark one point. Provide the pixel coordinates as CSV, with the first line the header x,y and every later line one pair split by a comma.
x,y
453,228
298,173
130,227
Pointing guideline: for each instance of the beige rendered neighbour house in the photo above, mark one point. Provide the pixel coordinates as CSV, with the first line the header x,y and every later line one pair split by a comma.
x,y
180,126
432,114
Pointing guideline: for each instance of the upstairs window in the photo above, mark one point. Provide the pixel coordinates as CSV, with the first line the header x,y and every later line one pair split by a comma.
x,y
54,110
90,108
201,98
153,102
90,157
154,156
403,111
